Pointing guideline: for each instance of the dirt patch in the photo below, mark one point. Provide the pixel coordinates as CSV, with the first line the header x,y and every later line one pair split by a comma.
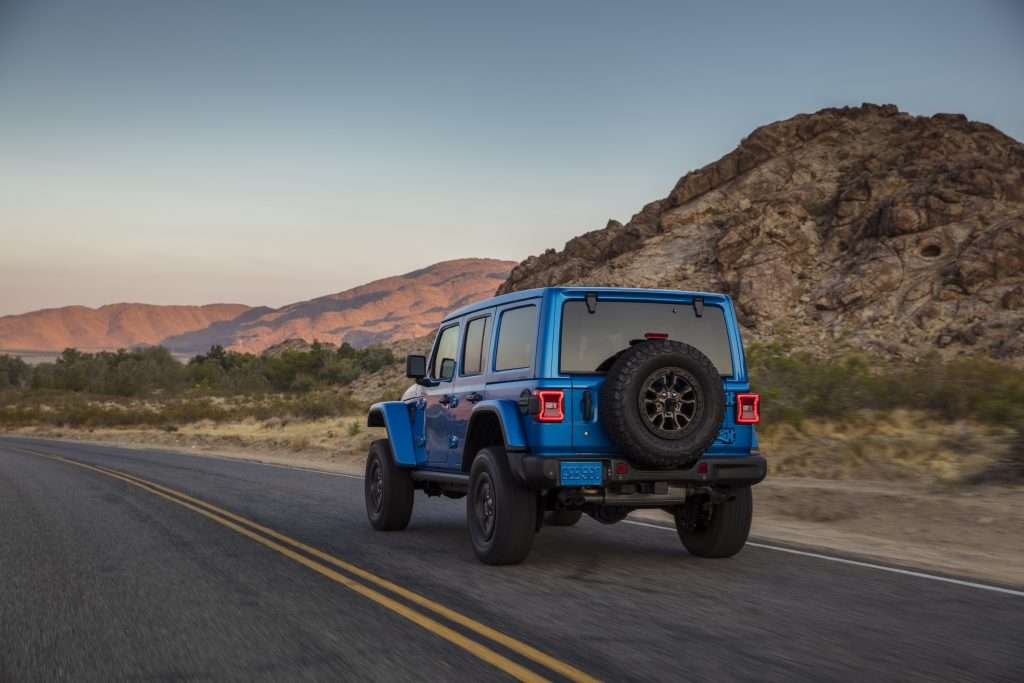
x,y
969,531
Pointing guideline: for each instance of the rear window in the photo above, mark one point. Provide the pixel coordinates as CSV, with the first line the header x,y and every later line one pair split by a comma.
x,y
591,340
517,331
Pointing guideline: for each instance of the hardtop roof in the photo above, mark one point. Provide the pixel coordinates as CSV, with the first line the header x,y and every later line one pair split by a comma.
x,y
539,292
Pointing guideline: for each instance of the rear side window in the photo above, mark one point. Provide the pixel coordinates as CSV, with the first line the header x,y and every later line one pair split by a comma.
x,y
477,336
590,341
442,366
517,333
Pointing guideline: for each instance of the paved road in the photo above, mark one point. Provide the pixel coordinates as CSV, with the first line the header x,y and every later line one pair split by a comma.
x,y
104,576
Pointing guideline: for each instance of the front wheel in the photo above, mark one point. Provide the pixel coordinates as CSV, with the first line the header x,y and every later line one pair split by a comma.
x,y
502,514
715,529
388,489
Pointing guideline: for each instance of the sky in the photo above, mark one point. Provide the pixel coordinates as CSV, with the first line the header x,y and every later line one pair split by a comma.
x,y
204,151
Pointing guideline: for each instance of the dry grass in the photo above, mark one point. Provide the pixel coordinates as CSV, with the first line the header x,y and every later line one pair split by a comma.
x,y
333,435
901,445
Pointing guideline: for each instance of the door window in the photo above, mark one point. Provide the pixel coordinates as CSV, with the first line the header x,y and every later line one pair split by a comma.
x,y
474,349
442,365
517,334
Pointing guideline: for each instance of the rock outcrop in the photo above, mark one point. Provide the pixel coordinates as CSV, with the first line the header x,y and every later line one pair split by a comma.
x,y
861,228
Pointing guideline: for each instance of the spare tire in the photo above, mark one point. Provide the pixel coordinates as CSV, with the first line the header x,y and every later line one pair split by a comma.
x,y
662,403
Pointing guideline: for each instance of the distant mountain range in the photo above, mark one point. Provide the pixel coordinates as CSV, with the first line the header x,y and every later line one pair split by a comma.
x,y
107,327
400,307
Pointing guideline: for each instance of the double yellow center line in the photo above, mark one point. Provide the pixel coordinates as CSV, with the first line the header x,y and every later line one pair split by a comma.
x,y
359,580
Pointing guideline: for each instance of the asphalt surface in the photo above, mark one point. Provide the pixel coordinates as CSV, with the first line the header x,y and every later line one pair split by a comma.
x,y
104,579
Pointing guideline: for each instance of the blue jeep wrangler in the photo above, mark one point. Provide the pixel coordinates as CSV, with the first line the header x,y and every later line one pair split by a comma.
x,y
541,405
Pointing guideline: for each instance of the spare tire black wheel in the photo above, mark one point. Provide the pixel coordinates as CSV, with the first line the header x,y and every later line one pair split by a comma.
x,y
662,403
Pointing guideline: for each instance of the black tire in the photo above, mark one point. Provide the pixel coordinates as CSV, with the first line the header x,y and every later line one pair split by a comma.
x,y
502,514
562,517
720,534
387,489
633,401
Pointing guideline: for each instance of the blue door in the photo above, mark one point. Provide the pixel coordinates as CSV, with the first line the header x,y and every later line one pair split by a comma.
x,y
470,387
440,398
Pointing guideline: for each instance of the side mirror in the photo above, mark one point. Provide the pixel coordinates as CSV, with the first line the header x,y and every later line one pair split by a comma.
x,y
416,367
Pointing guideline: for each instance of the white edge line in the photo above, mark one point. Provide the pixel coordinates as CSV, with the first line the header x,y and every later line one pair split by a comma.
x,y
858,563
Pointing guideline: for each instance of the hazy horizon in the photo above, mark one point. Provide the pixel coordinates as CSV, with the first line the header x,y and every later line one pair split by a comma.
x,y
264,154
129,302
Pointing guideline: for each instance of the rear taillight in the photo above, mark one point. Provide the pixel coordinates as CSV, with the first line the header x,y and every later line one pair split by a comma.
x,y
748,409
551,405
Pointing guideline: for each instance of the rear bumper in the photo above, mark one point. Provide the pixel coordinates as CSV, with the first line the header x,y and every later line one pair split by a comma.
x,y
539,472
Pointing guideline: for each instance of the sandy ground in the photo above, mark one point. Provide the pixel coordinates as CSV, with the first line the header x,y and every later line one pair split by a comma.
x,y
969,531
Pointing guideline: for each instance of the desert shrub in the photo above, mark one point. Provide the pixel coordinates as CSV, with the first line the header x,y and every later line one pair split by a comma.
x,y
798,386
14,372
193,410
154,371
319,406
290,371
392,393
121,373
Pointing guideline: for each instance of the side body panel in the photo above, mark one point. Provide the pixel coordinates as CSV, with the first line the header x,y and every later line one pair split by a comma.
x,y
508,415
398,420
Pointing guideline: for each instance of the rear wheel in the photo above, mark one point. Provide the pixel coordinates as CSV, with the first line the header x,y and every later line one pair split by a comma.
x,y
502,514
562,517
387,488
715,529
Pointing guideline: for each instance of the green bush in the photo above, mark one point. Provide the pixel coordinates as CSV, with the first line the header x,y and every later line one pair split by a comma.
x,y
14,372
120,373
155,372
798,386
291,371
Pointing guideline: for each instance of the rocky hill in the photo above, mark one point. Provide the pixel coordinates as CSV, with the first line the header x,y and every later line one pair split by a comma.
x,y
394,308
856,228
108,327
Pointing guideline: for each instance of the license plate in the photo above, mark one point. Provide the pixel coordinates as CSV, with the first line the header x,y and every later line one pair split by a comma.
x,y
573,473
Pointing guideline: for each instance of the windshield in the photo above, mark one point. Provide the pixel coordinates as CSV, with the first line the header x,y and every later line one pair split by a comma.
x,y
590,341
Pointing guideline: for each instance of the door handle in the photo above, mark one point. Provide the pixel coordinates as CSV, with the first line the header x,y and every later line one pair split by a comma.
x,y
473,397
587,406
